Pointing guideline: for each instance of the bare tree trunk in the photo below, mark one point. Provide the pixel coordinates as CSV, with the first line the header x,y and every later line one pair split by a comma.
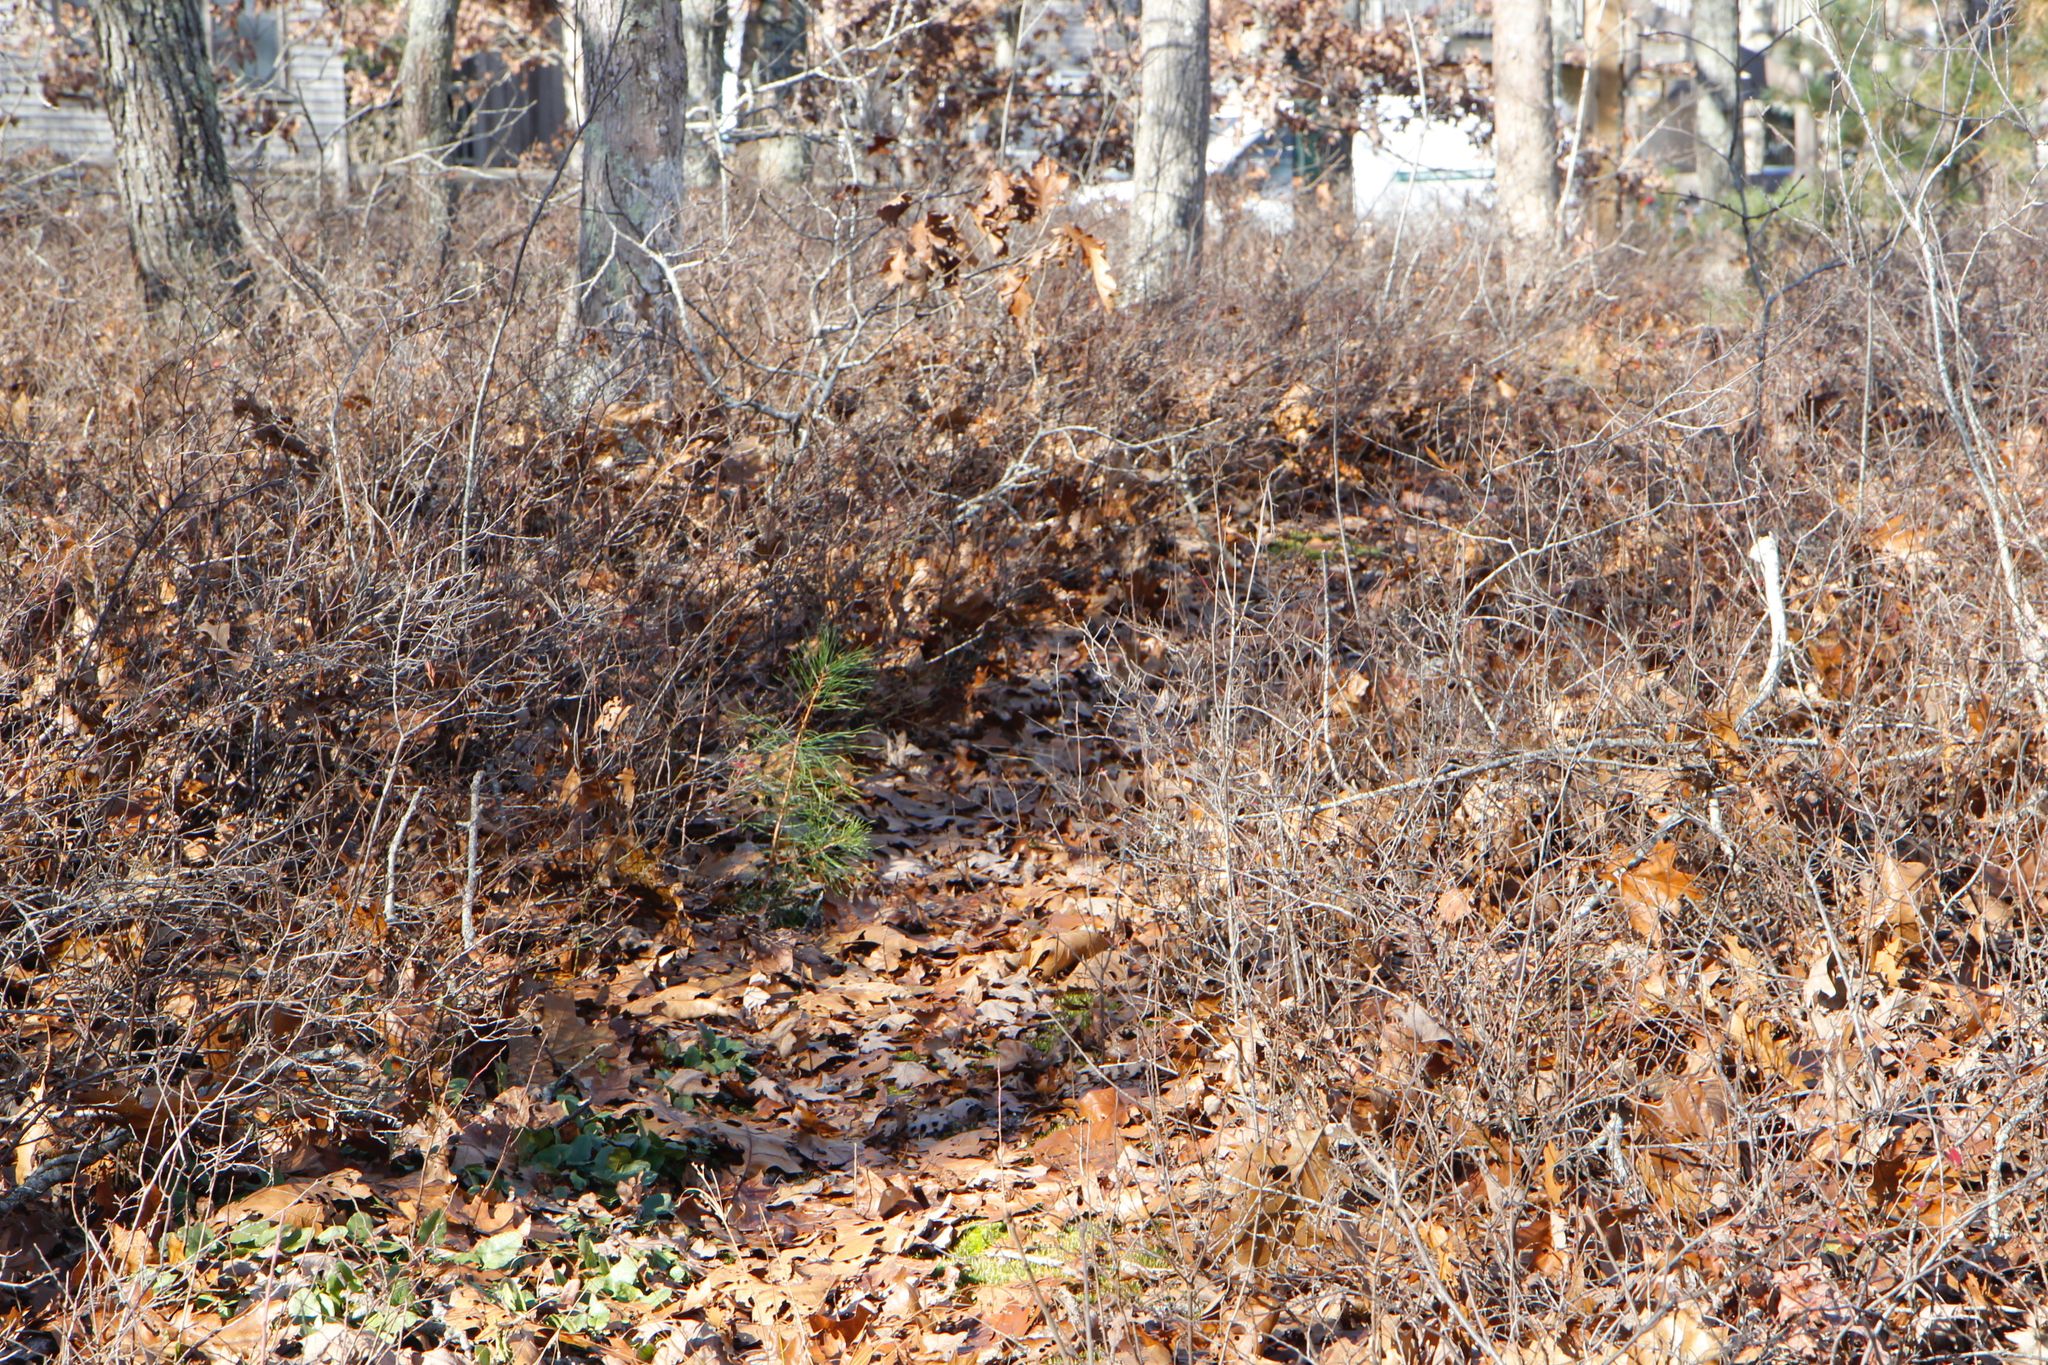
x,y
429,121
739,15
702,60
621,316
1753,23
1170,174
1524,120
1805,141
1717,108
173,170
1603,55
781,50
572,83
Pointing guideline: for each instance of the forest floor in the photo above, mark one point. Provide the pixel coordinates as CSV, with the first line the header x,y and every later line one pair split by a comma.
x,y
1345,846
902,1124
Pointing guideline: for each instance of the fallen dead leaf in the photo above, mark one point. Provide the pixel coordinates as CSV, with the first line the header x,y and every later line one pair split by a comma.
x,y
1054,955
1653,889
1893,903
883,1196
291,1203
1009,1310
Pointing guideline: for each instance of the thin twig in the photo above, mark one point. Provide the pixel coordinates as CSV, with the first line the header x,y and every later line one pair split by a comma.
x,y
391,858
476,804
684,308
1437,779
483,383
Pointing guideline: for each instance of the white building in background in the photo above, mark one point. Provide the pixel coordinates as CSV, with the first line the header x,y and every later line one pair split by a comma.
x,y
288,105
1407,161
1412,162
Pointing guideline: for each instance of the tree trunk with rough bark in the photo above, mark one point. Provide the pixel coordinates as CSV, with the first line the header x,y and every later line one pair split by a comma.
x,y
622,316
703,63
1524,120
1170,170
425,94
183,230
1717,104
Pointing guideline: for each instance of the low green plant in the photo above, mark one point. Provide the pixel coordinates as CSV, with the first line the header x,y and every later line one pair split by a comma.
x,y
798,778
971,1248
714,1054
363,1283
996,1252
592,1151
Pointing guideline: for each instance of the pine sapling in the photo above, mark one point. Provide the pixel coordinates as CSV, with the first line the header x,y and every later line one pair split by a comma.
x,y
799,778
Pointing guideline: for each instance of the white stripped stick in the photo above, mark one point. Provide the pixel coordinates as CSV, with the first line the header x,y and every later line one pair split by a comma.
x,y
1765,555
476,804
391,859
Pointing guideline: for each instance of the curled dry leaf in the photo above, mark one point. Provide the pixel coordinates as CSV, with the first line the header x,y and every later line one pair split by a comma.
x,y
1348,698
565,1035
1679,1337
688,1000
883,1196
331,1343
1822,985
1093,1143
1893,903
1543,1350
1770,1049
1278,1180
1095,256
1414,1029
1048,181
692,1343
1691,1110
1008,201
292,1204
129,1249
1901,540
1151,1348
1011,1311
884,945
1054,955
933,252
1453,904
1018,300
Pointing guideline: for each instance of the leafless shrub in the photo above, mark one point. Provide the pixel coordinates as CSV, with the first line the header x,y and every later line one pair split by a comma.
x,y
254,663
1570,992
1542,956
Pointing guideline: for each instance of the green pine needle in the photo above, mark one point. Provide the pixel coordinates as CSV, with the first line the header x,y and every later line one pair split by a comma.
x,y
799,781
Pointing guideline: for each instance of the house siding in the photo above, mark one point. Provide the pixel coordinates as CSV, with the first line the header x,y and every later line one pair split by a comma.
x,y
311,83
69,130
